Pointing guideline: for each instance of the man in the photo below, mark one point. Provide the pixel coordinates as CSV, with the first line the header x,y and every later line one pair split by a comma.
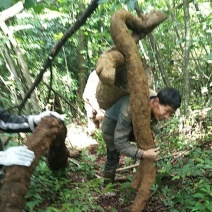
x,y
94,113
20,155
117,128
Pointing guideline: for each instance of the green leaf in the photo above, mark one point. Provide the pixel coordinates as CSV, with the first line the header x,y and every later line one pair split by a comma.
x,y
176,178
29,3
200,160
38,8
199,195
162,171
102,1
6,4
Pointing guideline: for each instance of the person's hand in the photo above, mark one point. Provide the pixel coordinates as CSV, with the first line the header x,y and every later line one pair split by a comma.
x,y
36,119
19,155
99,115
151,154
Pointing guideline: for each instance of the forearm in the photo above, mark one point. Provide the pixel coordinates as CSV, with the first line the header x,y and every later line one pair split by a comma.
x,y
95,105
13,123
130,150
124,146
122,134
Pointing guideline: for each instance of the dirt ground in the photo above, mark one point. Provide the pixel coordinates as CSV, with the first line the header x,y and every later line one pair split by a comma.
x,y
77,138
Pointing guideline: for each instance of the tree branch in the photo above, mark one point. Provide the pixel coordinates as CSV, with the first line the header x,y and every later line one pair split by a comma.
x,y
81,20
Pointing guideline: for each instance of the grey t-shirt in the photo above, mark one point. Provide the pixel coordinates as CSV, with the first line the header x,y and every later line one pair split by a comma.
x,y
120,113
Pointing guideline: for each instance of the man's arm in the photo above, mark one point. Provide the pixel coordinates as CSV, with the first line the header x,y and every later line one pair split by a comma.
x,y
89,94
13,123
121,137
122,132
20,123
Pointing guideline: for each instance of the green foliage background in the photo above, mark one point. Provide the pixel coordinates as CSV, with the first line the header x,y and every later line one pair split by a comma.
x,y
38,28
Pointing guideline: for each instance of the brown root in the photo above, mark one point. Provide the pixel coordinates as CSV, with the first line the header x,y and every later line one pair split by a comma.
x,y
121,22
50,133
112,72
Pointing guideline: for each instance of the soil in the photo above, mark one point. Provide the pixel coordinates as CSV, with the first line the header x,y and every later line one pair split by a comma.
x,y
116,200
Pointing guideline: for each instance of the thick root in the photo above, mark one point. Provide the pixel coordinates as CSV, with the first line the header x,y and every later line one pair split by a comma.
x,y
121,22
49,133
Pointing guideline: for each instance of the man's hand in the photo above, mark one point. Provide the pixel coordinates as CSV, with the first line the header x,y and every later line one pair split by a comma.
x,y
99,115
36,119
19,155
151,154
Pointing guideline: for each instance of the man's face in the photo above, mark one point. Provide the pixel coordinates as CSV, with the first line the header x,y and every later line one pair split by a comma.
x,y
161,112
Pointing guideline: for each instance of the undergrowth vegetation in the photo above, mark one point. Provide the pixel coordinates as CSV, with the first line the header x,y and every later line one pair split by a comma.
x,y
183,180
51,191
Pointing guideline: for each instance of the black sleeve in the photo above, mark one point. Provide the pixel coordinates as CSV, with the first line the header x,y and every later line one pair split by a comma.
x,y
13,123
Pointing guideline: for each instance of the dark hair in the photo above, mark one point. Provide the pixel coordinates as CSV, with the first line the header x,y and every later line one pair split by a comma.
x,y
170,96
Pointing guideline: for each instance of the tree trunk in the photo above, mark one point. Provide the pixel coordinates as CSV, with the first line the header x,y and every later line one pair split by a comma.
x,y
49,135
81,66
152,61
24,75
81,62
12,69
159,60
202,19
121,22
186,55
174,25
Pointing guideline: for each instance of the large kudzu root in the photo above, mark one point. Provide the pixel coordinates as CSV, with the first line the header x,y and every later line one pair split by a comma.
x,y
49,133
121,22
111,65
58,153
112,72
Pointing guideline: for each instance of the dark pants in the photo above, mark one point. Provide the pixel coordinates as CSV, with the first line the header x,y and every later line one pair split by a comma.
x,y
112,161
108,128
1,145
111,165
1,149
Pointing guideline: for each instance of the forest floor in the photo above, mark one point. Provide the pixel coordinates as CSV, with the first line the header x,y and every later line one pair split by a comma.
x,y
121,199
